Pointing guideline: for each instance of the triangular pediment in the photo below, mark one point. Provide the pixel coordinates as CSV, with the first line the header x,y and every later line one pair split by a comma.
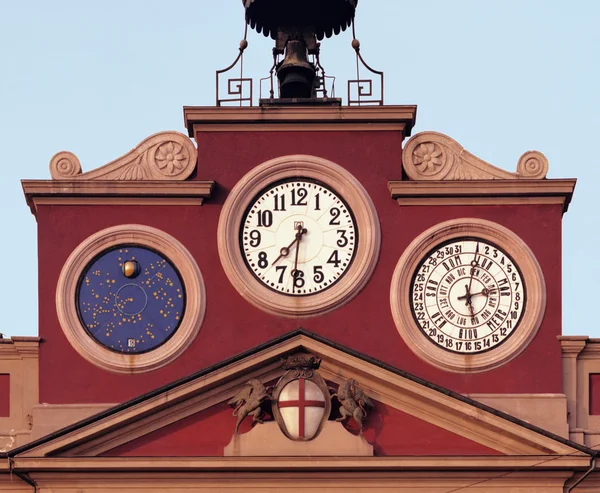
x,y
414,403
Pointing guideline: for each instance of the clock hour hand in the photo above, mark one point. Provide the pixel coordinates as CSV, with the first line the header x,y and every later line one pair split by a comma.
x,y
285,251
484,292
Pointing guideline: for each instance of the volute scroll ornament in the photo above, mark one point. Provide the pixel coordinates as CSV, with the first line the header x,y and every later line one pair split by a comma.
x,y
435,156
162,156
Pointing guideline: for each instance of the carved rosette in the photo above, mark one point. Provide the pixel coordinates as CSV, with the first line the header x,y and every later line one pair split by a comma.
x,y
435,156
162,156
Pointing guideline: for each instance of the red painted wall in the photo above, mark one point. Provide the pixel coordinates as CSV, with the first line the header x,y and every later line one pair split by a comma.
x,y
232,325
391,432
4,395
594,394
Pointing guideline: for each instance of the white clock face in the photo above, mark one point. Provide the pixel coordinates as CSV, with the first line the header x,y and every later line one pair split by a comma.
x,y
467,296
298,237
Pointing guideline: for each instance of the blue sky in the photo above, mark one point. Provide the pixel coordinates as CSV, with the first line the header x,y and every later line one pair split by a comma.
x,y
500,77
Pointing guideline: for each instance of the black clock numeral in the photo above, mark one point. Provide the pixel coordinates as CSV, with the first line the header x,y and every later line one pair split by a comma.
x,y
335,214
281,269
318,277
263,263
279,203
265,218
334,259
299,196
299,279
255,238
343,239
317,202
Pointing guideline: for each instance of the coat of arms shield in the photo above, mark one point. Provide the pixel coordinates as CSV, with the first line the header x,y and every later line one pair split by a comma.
x,y
301,400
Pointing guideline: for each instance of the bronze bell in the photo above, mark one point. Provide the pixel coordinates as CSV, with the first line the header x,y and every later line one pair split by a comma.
x,y
295,73
297,26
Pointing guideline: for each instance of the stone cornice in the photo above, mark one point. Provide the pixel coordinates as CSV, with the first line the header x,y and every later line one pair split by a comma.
x,y
298,118
572,345
470,463
70,192
19,347
483,192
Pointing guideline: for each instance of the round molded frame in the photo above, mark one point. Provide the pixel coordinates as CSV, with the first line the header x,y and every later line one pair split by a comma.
x,y
532,276
145,236
344,184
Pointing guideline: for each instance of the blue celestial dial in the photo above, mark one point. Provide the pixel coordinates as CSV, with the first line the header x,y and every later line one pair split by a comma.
x,y
130,299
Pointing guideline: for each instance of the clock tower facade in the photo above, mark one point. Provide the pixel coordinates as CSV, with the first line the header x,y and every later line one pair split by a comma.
x,y
376,309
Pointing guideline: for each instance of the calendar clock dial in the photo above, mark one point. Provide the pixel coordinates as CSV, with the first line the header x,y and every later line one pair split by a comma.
x,y
298,237
467,295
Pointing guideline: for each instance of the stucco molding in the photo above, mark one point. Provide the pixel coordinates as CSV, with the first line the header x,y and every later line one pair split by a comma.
x,y
66,293
435,156
532,276
162,156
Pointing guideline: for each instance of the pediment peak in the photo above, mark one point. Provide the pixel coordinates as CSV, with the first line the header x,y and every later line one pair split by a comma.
x,y
217,385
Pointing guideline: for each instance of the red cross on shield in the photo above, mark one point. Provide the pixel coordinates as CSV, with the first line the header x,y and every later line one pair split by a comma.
x,y
302,406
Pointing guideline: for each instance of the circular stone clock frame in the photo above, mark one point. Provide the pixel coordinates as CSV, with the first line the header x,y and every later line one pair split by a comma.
x,y
533,312
143,236
334,177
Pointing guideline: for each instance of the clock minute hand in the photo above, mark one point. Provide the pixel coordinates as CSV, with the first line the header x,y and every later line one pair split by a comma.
x,y
473,265
301,231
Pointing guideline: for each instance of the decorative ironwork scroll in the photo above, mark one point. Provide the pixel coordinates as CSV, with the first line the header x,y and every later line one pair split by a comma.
x,y
239,89
360,91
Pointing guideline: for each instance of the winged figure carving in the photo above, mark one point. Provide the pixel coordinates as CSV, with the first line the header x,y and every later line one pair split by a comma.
x,y
354,402
247,402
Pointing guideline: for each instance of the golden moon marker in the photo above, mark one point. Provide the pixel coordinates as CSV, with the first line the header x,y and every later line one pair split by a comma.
x,y
131,269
